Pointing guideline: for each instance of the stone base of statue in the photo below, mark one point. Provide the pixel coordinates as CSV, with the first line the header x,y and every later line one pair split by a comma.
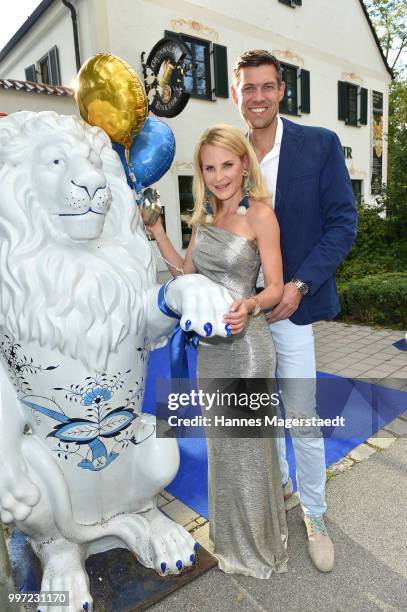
x,y
118,582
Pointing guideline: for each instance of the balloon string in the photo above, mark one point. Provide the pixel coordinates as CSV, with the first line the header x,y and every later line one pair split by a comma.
x,y
137,186
160,256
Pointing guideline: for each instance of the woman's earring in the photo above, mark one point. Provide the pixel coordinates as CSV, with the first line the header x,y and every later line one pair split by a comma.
x,y
247,188
247,184
208,206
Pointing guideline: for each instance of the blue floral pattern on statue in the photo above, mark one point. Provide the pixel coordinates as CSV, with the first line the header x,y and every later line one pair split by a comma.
x,y
18,365
96,395
85,435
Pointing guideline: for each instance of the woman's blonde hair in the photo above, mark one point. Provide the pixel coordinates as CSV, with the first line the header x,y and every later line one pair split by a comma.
x,y
232,139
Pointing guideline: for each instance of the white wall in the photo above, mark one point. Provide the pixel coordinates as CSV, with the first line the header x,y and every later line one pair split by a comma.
x,y
12,101
337,28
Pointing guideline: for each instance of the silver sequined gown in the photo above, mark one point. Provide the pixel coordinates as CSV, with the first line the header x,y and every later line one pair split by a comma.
x,y
246,508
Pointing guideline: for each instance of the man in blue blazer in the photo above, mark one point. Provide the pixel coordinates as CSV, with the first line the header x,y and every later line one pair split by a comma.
x,y
305,171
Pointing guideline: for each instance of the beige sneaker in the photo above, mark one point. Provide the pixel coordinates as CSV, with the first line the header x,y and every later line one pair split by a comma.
x,y
291,499
320,545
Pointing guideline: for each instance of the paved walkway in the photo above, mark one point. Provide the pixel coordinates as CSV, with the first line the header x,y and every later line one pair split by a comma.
x,y
367,517
357,351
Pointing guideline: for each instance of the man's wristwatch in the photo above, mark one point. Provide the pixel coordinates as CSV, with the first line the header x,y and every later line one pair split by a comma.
x,y
302,287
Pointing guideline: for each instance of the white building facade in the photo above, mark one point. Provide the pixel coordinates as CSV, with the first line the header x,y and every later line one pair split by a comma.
x,y
335,73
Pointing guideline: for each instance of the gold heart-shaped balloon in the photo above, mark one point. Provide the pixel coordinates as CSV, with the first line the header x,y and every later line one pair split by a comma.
x,y
110,95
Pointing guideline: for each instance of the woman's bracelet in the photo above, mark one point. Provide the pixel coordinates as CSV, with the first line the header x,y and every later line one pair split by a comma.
x,y
258,308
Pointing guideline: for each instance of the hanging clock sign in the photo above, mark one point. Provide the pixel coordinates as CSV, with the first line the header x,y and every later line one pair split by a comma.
x,y
163,73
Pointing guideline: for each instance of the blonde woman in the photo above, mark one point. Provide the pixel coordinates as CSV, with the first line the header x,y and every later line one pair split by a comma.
x,y
234,232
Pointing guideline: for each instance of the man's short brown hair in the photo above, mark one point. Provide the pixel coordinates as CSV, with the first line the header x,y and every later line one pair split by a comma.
x,y
256,57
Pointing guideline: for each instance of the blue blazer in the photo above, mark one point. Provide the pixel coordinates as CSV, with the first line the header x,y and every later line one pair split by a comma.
x,y
315,208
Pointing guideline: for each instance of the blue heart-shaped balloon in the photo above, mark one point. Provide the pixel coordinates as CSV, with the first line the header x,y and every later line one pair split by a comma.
x,y
151,153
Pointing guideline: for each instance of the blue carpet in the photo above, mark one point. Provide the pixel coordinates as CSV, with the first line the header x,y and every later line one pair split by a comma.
x,y
366,408
401,344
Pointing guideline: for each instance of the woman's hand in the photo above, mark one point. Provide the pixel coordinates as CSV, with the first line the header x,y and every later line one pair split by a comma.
x,y
157,229
237,316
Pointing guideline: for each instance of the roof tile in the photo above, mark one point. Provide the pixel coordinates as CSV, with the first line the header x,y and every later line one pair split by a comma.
x,y
51,90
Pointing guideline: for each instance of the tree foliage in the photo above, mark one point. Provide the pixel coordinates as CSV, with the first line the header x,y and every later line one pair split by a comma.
x,y
379,299
389,18
396,191
377,249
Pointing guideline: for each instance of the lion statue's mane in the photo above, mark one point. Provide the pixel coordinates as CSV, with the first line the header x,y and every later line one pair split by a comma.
x,y
82,298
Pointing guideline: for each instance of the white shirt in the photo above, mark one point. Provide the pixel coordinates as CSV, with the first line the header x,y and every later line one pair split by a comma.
x,y
269,163
269,170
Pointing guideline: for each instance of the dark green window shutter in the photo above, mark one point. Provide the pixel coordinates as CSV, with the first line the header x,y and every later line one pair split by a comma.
x,y
363,106
53,66
305,91
342,111
30,73
220,61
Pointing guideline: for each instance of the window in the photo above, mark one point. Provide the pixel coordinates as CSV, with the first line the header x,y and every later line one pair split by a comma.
x,y
47,69
289,102
198,82
352,104
297,90
210,77
44,70
357,191
186,204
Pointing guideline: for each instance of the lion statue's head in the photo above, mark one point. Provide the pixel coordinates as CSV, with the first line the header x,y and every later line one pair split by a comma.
x,y
73,254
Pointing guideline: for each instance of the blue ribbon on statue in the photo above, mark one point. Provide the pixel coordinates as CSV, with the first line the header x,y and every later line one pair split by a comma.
x,y
179,340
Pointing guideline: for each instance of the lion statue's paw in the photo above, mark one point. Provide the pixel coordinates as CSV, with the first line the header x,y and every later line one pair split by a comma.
x,y
172,547
64,571
157,541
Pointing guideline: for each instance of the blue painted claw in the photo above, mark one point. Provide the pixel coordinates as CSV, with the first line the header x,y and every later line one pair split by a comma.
x,y
192,558
163,567
86,606
208,327
187,324
196,546
228,329
179,565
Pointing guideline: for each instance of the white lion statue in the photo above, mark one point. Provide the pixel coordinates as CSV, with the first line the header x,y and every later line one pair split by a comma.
x,y
80,466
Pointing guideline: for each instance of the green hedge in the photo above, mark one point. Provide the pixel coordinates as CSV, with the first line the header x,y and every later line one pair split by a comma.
x,y
379,298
